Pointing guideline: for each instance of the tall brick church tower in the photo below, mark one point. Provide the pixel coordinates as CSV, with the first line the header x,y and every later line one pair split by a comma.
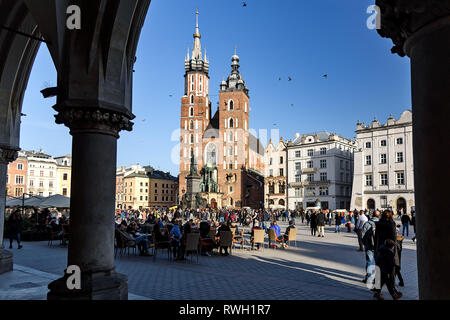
x,y
229,158
195,108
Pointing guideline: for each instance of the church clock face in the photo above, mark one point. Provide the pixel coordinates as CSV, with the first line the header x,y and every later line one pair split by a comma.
x,y
211,154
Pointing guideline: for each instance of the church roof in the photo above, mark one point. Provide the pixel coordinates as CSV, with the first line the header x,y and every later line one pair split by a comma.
x,y
255,144
212,130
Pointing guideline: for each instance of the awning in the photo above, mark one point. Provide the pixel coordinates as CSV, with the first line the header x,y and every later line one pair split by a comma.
x,y
34,201
13,202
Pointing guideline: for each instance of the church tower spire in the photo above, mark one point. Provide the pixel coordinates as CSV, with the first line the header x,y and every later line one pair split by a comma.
x,y
195,109
197,52
235,81
197,62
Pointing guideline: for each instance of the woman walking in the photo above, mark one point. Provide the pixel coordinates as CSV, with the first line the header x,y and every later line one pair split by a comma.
x,y
15,228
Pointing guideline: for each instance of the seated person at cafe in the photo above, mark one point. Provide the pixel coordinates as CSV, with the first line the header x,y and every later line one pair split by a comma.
x,y
159,222
286,234
132,228
187,228
161,235
151,219
277,229
223,227
207,242
255,227
141,241
177,241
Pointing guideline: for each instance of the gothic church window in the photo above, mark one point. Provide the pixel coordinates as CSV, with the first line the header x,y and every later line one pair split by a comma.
x,y
211,152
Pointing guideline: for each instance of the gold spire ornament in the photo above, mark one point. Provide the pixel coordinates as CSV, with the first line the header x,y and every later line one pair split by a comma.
x,y
197,33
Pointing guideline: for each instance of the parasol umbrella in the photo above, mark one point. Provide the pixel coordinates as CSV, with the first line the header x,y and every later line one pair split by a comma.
x,y
56,201
13,202
33,201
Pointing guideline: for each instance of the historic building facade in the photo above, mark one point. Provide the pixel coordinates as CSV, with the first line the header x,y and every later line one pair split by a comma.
x,y
42,177
63,174
17,176
141,188
228,157
275,178
320,171
39,174
384,168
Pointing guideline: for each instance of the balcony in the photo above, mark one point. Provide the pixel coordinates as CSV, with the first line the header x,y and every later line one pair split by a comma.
x,y
309,184
309,170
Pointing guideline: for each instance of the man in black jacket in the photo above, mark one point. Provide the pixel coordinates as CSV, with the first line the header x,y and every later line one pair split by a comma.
x,y
405,223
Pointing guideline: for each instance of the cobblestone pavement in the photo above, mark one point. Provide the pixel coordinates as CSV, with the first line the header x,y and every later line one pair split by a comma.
x,y
318,268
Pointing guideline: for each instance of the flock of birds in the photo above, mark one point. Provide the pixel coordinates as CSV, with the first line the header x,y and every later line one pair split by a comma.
x,y
289,79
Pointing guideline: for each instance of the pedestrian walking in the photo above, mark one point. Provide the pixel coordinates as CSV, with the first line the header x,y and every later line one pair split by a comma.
x,y
15,228
321,223
413,223
313,223
362,219
385,262
405,219
368,240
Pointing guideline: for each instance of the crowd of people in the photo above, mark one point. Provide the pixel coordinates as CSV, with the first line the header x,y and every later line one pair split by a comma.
x,y
377,233
379,237
172,227
51,221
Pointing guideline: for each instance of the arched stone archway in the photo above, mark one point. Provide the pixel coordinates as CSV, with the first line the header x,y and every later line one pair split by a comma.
x,y
401,204
371,204
94,99
17,54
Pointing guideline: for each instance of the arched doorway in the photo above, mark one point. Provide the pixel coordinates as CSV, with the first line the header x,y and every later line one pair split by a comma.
x,y
281,202
371,204
213,203
401,205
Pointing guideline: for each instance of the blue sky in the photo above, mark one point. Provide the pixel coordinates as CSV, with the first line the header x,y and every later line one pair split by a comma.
x,y
285,38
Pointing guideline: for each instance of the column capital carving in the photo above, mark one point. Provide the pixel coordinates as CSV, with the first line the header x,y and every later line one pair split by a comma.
x,y
8,154
401,19
93,119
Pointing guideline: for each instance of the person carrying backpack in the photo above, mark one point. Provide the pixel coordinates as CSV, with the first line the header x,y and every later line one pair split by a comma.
x,y
368,241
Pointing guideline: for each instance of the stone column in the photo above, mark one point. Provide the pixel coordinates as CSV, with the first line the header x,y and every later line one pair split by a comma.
x,y
91,246
7,155
421,30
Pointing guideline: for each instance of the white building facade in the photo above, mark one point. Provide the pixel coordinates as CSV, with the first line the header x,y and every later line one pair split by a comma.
x,y
384,168
320,171
275,180
42,174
